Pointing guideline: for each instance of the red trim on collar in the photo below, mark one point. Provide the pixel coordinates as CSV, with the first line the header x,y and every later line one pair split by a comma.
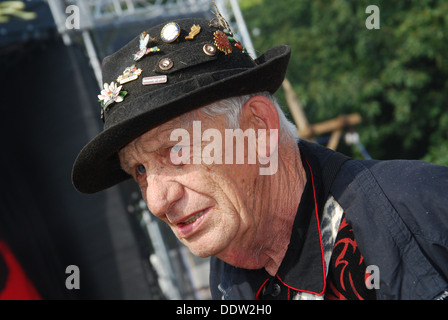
x,y
320,235
257,296
321,250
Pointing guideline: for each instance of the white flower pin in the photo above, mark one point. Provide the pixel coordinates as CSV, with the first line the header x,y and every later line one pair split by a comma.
x,y
110,94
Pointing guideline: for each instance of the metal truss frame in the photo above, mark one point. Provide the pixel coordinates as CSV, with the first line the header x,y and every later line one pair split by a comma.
x,y
99,13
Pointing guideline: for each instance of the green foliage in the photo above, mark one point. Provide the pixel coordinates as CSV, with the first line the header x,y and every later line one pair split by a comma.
x,y
396,77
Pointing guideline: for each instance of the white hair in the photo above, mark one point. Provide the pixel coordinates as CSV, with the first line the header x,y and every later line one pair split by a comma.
x,y
231,107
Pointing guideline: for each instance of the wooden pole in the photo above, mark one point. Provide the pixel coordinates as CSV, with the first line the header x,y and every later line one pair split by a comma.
x,y
334,139
336,123
307,131
304,129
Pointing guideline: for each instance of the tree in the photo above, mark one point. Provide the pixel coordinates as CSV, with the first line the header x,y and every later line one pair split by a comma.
x,y
396,76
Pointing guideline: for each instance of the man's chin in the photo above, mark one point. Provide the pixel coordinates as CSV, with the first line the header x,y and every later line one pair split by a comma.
x,y
200,248
200,252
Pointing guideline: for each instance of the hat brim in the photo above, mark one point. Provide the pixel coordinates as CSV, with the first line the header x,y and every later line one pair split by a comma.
x,y
97,166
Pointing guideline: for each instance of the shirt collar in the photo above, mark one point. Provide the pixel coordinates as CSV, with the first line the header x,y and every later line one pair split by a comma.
x,y
303,267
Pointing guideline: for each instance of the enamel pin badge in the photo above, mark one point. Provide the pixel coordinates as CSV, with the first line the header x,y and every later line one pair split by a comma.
x,y
129,74
154,80
144,50
222,42
170,32
166,64
209,49
195,29
110,94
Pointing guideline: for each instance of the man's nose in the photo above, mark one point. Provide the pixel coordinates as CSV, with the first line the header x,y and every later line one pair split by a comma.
x,y
162,193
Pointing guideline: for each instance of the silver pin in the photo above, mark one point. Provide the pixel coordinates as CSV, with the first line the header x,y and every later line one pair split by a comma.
x,y
154,80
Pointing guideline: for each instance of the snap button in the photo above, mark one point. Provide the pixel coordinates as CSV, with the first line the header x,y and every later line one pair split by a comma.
x,y
276,290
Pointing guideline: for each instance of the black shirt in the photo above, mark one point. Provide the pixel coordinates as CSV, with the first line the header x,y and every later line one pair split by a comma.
x,y
302,270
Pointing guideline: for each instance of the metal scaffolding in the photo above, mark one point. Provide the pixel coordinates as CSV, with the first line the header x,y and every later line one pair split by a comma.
x,y
173,264
98,13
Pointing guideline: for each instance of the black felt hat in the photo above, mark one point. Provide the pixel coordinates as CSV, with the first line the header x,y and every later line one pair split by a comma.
x,y
169,70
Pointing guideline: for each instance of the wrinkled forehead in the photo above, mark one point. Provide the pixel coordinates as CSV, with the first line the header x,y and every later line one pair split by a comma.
x,y
151,140
159,137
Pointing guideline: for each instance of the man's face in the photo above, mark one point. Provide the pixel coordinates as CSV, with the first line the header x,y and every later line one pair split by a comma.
x,y
210,208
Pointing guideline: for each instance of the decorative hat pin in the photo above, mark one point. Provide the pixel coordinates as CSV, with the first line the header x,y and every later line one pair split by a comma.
x,y
223,39
220,21
222,42
145,38
129,74
195,29
110,94
170,32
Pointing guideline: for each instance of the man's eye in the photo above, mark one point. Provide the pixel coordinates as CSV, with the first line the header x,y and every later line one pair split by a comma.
x,y
141,169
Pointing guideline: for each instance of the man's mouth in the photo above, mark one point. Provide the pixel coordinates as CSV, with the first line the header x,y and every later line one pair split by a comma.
x,y
192,224
193,218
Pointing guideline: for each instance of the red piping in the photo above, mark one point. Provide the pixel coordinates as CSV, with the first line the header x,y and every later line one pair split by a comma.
x,y
321,249
318,227
259,290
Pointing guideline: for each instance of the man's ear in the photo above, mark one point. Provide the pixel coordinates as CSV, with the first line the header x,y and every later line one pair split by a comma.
x,y
260,114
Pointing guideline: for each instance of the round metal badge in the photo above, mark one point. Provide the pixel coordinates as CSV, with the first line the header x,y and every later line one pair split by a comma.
x,y
170,32
209,49
166,64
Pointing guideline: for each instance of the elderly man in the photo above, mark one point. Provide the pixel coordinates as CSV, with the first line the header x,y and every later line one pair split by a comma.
x,y
190,116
